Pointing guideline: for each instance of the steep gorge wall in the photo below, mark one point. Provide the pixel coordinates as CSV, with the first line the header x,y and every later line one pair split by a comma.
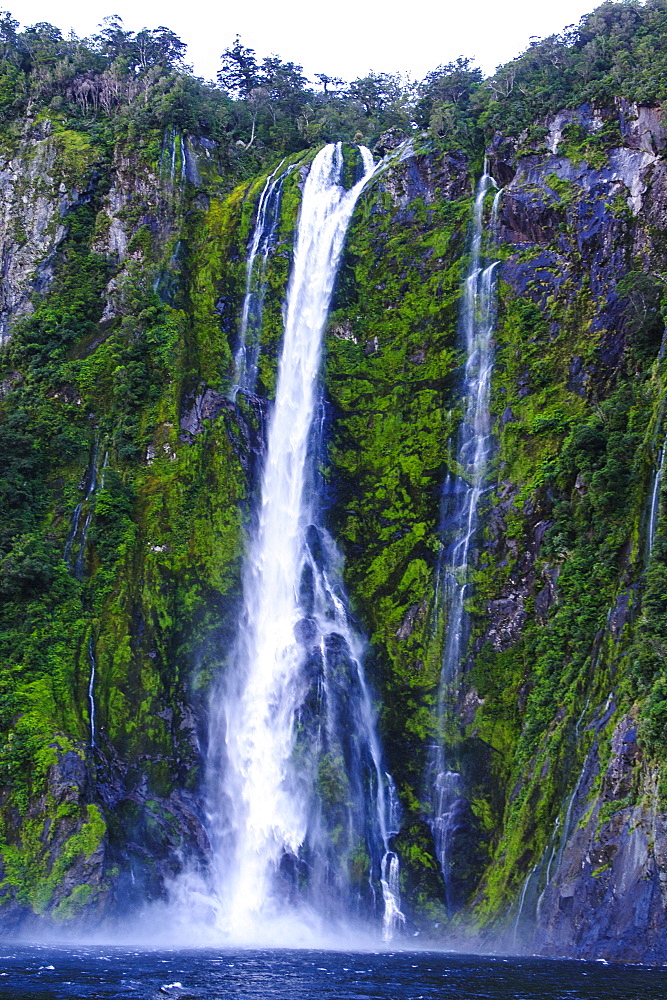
x,y
98,378
563,674
556,723
579,398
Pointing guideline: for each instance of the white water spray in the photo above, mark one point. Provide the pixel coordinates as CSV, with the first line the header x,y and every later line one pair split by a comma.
x,y
461,496
295,781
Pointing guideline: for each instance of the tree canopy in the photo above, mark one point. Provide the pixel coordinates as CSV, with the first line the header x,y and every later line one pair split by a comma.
x,y
122,82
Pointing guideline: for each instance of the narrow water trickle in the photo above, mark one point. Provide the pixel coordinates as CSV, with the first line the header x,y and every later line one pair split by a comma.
x,y
655,500
462,492
91,690
74,554
300,808
522,899
263,240
78,532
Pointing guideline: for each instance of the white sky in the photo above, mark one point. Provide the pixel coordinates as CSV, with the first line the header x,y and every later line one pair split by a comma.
x,y
344,38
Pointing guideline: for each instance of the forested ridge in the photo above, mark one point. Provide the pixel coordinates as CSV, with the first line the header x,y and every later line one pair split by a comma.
x,y
126,86
128,474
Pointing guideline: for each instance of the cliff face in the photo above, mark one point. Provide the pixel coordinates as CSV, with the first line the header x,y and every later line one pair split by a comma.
x,y
121,530
574,530
131,474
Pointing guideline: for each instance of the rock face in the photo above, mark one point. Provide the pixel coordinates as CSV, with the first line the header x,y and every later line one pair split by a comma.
x,y
101,827
575,234
612,866
561,835
34,199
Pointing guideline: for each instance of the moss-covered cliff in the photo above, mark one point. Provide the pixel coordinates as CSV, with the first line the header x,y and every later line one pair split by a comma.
x,y
555,723
129,476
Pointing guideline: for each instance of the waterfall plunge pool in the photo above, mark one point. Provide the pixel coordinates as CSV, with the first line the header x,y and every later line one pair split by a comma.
x,y
60,971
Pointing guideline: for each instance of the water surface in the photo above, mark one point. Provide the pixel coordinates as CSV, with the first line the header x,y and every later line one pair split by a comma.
x,y
63,972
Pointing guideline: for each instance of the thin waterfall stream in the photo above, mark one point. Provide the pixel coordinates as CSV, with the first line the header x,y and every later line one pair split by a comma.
x,y
298,798
462,492
91,690
655,500
263,239
77,540
77,535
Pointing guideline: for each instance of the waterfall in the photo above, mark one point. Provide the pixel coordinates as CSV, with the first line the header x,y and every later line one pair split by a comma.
x,y
655,500
263,238
460,501
172,150
298,801
522,900
77,535
91,690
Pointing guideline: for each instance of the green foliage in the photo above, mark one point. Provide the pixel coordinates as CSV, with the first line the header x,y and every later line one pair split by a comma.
x,y
162,533
27,568
619,50
645,304
391,357
447,105
73,305
580,145
122,85
27,865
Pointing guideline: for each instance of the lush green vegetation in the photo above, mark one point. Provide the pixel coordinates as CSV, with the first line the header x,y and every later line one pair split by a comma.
x,y
133,317
122,86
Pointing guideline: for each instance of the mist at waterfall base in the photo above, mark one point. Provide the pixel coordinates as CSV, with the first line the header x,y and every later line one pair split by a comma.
x,y
78,972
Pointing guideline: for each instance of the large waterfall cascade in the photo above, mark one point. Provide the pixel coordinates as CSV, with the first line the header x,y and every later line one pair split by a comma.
x,y
297,793
460,502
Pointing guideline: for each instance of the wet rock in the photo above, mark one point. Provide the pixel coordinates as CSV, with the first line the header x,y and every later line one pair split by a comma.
x,y
606,898
523,383
619,615
529,217
426,176
409,622
507,616
388,142
306,631
507,417
246,425
502,158
625,756
315,544
68,778
206,405
190,162
471,703
578,377
546,597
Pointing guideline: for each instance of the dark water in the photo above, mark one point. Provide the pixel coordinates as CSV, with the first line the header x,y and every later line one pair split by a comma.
x,y
57,972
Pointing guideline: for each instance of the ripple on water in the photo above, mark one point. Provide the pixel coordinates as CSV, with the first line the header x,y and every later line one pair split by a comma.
x,y
107,974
